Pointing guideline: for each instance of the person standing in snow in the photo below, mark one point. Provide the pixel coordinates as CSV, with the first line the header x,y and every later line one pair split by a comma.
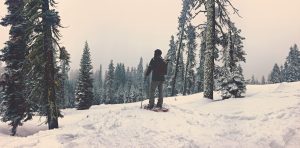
x,y
158,67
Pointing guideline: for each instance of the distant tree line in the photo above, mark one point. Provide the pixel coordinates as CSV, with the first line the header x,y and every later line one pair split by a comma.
x,y
119,84
289,71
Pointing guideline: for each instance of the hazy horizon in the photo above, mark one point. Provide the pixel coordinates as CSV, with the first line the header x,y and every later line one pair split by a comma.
x,y
124,31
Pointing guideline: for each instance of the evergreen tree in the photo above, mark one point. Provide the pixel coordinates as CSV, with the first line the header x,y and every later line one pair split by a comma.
x,y
189,78
171,56
140,70
209,51
105,98
292,65
100,79
232,83
120,76
231,79
282,74
121,95
44,37
140,78
84,90
132,94
98,87
200,69
147,82
134,90
180,75
183,20
217,22
128,84
63,78
119,82
109,83
275,74
15,106
71,88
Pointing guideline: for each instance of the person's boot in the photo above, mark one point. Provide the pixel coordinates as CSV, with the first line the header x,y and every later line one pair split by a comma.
x,y
159,103
159,106
150,106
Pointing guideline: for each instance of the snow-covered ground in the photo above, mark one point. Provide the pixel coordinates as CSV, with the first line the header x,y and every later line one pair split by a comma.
x,y
268,117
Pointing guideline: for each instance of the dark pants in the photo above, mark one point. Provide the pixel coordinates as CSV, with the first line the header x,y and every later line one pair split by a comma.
x,y
154,85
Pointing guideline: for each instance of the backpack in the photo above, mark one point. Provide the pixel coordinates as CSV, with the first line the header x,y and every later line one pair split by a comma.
x,y
162,68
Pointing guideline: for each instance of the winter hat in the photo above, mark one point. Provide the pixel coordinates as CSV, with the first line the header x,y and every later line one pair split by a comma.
x,y
157,52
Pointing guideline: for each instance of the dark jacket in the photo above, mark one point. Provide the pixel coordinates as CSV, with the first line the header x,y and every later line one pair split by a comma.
x,y
154,68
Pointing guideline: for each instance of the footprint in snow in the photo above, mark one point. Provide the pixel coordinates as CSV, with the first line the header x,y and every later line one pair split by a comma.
x,y
89,127
281,115
289,135
66,138
265,118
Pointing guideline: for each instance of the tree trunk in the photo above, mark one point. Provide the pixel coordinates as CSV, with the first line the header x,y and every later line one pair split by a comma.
x,y
185,76
63,83
231,48
52,110
209,53
177,61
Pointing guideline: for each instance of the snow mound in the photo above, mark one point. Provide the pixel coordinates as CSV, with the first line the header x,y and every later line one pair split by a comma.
x,y
269,116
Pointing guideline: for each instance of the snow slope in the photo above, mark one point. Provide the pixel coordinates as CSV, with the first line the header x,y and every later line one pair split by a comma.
x,y
268,117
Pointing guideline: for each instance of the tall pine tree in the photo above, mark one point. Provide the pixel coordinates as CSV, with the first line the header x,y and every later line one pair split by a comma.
x,y
84,90
200,69
180,74
189,77
217,22
209,52
16,109
171,56
183,20
44,38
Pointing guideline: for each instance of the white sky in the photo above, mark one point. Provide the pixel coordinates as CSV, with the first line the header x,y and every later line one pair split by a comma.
x,y
125,30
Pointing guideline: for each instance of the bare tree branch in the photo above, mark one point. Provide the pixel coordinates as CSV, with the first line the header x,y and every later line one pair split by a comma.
x,y
199,26
235,10
221,30
200,11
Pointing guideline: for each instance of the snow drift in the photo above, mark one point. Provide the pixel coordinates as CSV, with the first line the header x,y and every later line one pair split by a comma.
x,y
269,116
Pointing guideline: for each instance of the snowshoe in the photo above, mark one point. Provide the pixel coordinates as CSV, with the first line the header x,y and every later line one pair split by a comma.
x,y
160,109
148,107
156,109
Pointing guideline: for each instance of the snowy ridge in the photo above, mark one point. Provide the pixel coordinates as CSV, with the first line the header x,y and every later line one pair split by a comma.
x,y
269,116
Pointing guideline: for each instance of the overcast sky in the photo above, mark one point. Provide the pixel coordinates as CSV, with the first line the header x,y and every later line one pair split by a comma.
x,y
125,30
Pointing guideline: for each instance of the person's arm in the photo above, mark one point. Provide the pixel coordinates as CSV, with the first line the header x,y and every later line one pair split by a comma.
x,y
149,68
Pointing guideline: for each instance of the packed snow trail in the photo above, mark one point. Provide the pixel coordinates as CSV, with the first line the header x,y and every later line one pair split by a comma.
x,y
269,116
